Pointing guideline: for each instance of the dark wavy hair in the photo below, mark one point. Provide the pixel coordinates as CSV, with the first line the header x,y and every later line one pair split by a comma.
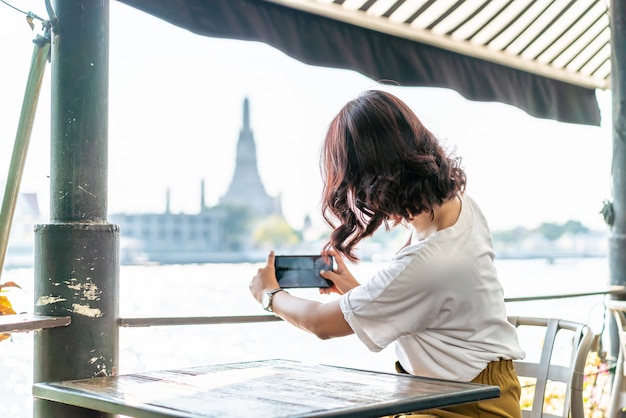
x,y
380,165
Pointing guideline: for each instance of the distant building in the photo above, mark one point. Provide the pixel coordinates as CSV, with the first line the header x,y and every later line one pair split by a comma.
x,y
20,250
26,215
207,236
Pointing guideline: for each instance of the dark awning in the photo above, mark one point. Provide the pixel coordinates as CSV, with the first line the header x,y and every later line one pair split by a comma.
x,y
545,57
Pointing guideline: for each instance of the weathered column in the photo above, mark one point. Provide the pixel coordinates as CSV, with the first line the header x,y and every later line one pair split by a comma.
x,y
617,242
617,247
76,254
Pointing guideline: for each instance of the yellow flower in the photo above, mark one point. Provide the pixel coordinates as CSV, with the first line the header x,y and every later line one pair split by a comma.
x,y
5,305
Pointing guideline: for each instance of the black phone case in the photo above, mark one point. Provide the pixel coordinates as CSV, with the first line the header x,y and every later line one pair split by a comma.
x,y
301,271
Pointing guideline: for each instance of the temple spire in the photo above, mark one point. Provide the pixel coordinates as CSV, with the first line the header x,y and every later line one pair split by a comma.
x,y
202,197
246,188
246,115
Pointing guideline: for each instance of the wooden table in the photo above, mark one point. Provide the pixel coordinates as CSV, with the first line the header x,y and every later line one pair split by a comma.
x,y
267,388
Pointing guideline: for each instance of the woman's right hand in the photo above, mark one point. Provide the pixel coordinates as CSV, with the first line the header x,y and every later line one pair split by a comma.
x,y
341,277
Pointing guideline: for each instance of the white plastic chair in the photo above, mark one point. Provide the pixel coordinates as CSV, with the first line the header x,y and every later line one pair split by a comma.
x,y
552,364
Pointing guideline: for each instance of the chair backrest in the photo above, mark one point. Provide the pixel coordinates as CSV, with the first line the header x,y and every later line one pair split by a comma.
x,y
562,348
616,403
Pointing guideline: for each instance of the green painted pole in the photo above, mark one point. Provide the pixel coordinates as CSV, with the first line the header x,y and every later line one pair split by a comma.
x,y
617,247
22,140
617,212
77,253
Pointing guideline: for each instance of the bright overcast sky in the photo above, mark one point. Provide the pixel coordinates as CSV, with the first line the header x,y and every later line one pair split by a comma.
x,y
175,114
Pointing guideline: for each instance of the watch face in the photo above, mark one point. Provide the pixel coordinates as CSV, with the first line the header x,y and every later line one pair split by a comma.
x,y
266,301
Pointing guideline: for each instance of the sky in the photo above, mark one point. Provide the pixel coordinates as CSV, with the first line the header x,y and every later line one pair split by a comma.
x,y
175,112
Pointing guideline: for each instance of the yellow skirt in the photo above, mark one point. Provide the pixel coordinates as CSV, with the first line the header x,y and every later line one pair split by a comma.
x,y
497,373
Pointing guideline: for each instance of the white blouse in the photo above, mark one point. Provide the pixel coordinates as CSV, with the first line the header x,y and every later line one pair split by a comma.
x,y
441,301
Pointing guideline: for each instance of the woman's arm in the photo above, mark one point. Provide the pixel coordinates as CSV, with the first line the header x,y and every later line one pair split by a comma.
x,y
325,320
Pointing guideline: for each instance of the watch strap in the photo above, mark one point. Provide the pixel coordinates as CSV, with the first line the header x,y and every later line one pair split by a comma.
x,y
278,289
270,295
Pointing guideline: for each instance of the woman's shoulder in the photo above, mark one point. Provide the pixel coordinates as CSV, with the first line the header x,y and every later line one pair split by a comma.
x,y
468,201
472,209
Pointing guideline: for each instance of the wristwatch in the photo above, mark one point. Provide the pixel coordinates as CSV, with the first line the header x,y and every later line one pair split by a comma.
x,y
266,302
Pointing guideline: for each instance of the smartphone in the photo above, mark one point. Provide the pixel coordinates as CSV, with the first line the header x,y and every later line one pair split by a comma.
x,y
293,271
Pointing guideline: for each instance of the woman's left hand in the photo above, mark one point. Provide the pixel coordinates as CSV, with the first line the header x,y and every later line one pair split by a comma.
x,y
341,277
265,279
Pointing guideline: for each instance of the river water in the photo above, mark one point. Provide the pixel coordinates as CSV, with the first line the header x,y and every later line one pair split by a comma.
x,y
222,289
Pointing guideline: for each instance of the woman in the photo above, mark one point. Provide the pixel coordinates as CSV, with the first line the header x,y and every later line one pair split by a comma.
x,y
439,299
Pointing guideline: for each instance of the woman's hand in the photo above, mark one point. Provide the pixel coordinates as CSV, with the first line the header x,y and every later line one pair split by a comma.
x,y
341,277
325,320
265,279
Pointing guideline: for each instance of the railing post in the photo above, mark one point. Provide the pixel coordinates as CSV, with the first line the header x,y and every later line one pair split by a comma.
x,y
76,254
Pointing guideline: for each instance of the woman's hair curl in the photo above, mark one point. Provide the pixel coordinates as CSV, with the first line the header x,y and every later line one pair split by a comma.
x,y
380,165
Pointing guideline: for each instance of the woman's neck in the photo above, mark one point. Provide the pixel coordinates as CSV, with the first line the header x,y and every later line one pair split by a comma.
x,y
445,215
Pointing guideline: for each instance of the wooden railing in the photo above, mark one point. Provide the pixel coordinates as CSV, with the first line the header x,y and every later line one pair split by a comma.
x,y
30,322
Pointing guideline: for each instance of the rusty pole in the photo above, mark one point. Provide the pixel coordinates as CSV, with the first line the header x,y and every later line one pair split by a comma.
x,y
617,247
617,209
77,253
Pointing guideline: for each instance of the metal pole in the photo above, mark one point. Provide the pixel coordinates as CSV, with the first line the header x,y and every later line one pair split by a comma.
x,y
22,140
617,248
617,241
77,253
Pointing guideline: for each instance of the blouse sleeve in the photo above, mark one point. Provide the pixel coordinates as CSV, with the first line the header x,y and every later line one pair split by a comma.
x,y
399,300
